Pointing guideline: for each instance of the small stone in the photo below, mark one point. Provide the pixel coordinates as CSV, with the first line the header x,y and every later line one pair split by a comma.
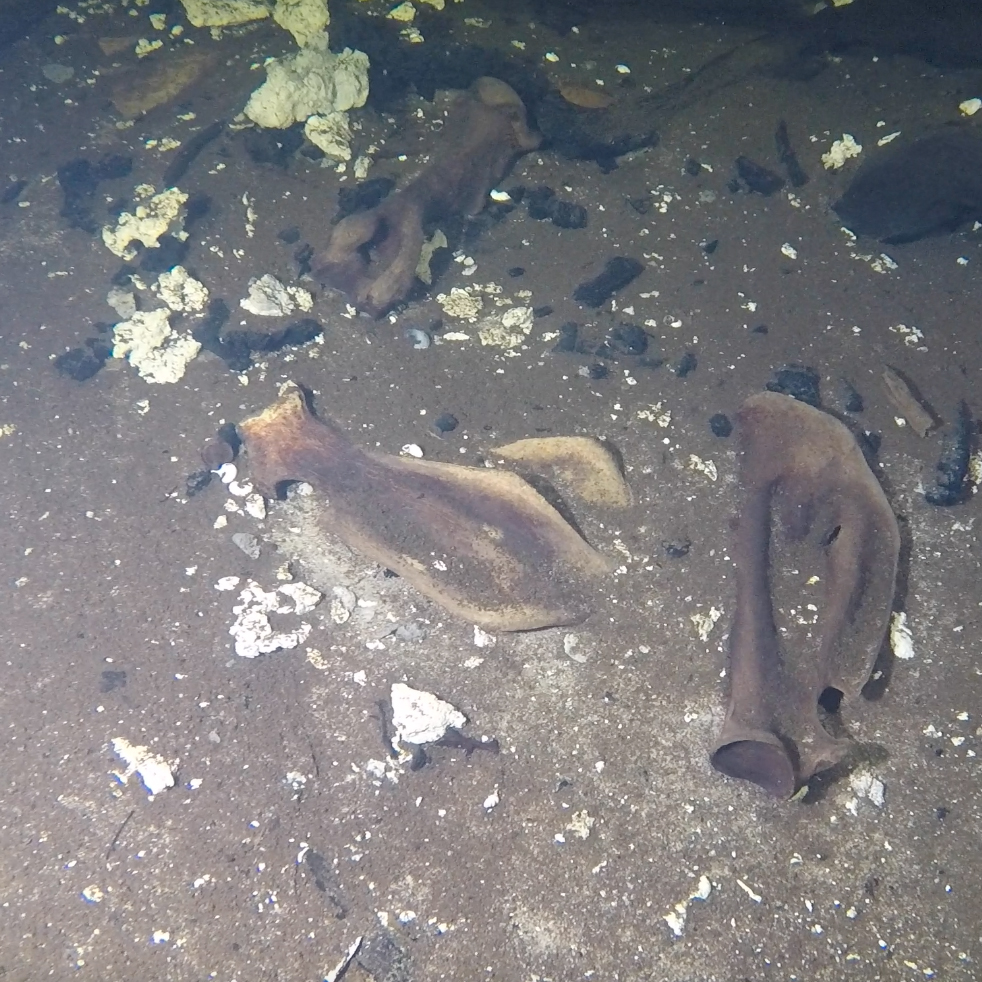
x,y
444,423
248,543
686,365
720,425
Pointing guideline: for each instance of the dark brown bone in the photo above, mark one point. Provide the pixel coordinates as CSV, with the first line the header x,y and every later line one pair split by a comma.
x,y
481,543
812,508
372,256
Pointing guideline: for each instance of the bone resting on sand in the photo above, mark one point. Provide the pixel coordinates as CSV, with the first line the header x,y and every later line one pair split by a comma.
x,y
815,529
372,256
482,543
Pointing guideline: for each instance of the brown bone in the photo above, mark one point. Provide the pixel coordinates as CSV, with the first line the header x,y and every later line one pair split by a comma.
x,y
481,543
812,508
372,255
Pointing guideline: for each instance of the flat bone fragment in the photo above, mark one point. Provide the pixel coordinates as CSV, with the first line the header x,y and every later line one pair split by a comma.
x,y
372,256
481,543
907,403
586,465
813,508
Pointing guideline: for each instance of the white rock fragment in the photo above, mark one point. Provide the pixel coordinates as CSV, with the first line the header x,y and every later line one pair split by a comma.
x,y
482,639
122,301
705,622
421,717
181,291
411,450
755,897
304,19
268,297
404,12
313,82
675,918
706,467
841,151
865,785
491,801
901,640
305,598
157,215
156,351
507,331
252,631
460,303
331,133
970,107
335,973
154,771
581,824
789,250
224,13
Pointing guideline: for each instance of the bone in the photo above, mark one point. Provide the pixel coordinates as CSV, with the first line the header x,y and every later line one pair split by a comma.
x,y
479,542
372,256
813,508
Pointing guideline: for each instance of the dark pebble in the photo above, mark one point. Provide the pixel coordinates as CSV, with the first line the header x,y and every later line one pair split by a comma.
x,y
544,311
852,401
216,452
12,191
709,247
516,271
82,363
760,329
594,371
692,167
444,423
289,235
628,339
757,177
677,548
686,365
798,381
720,425
198,481
567,338
617,274
110,680
952,467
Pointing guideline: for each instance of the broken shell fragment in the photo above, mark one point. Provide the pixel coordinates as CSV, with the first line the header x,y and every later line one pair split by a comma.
x,y
481,543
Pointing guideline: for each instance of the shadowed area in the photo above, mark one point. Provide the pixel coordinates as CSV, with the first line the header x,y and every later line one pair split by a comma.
x,y
816,551
927,187
481,543
373,255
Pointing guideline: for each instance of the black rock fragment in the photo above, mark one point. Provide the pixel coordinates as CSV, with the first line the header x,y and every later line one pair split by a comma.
x,y
596,371
787,156
617,274
852,401
952,467
568,334
757,177
197,482
797,381
83,362
544,311
677,548
208,334
516,271
720,425
760,329
109,680
686,365
12,191
444,423
274,337
543,204
627,339
692,167
289,236
709,247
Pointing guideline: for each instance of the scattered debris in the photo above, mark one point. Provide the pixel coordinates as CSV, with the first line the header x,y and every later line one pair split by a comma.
x,y
676,917
152,347
159,214
268,297
841,151
420,717
251,629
